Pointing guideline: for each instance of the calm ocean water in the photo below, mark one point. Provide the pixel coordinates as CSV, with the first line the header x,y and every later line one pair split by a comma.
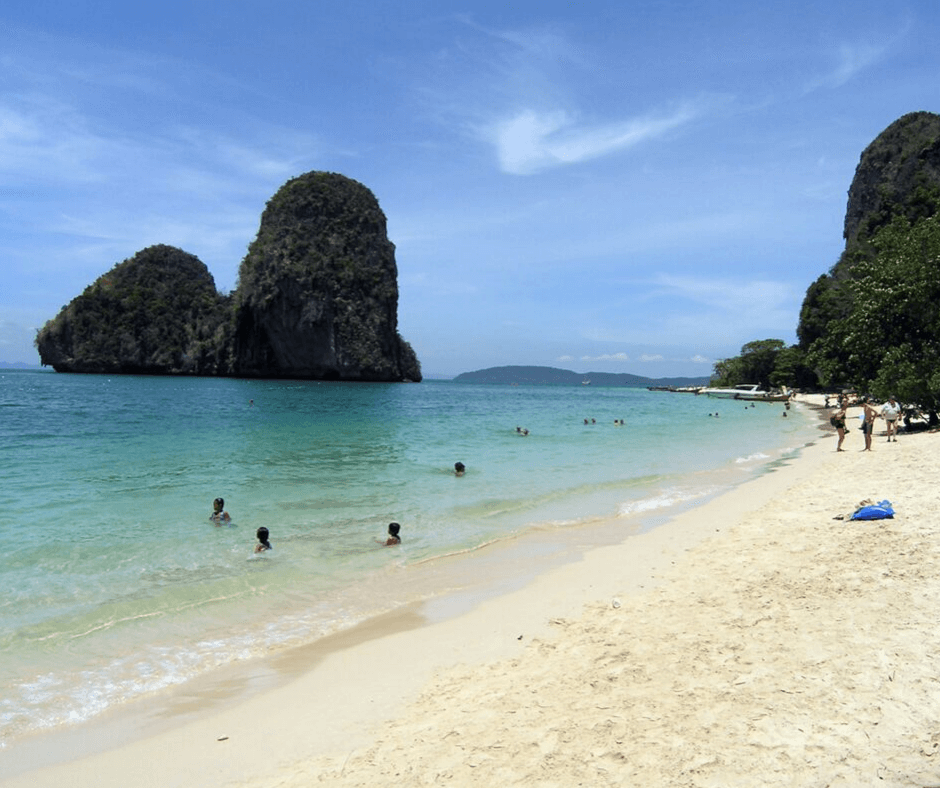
x,y
115,584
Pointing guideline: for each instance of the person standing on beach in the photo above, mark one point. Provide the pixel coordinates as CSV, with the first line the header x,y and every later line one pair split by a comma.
x,y
837,420
868,424
891,411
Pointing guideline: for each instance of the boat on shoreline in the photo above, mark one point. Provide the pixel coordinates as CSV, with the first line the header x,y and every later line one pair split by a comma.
x,y
750,392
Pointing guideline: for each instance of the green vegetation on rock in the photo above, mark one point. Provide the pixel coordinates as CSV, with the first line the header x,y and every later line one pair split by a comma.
x,y
871,322
317,298
157,313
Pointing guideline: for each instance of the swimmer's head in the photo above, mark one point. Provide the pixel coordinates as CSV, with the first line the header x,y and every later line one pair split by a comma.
x,y
393,529
262,534
218,504
459,467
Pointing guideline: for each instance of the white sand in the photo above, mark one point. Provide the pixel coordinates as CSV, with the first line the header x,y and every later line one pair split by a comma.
x,y
754,641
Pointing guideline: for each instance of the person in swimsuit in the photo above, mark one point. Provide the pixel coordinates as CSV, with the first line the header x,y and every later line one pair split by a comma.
x,y
219,515
837,420
393,537
890,411
868,424
263,543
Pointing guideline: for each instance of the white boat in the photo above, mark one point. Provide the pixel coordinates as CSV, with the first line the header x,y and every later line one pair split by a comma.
x,y
745,391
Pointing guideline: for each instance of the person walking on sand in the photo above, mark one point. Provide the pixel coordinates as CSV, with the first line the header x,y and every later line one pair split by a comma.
x,y
837,420
891,411
868,424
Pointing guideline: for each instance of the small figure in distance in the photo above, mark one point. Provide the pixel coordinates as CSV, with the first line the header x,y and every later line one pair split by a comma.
x,y
393,537
837,420
263,543
869,414
459,469
219,515
890,411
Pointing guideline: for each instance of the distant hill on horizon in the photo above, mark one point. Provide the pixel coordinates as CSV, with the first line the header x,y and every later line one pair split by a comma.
x,y
553,376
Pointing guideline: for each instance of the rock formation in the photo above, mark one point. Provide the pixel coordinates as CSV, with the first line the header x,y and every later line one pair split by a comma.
x,y
157,313
898,174
317,298
318,291
895,173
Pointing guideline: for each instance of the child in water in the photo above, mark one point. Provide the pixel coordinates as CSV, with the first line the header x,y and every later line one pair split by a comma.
x,y
219,515
459,469
263,543
393,537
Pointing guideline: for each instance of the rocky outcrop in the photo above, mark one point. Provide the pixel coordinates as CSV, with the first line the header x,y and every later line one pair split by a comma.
x,y
317,298
895,174
898,174
318,290
158,313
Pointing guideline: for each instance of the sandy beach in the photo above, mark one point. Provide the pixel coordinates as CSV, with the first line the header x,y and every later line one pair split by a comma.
x,y
751,641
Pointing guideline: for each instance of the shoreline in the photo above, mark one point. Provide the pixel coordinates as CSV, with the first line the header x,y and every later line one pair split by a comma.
x,y
167,722
377,707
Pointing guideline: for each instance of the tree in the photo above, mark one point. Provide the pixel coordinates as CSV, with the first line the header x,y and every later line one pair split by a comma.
x,y
889,343
754,365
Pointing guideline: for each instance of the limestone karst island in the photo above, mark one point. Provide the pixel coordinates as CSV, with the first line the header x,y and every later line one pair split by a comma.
x,y
317,298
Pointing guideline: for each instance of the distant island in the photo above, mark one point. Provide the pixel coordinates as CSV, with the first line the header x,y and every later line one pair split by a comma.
x,y
551,376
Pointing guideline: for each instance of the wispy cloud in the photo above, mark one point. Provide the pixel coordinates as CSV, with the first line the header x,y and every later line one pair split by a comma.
x,y
607,357
530,141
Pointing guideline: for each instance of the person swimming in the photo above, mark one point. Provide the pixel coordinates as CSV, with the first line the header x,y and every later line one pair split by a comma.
x,y
393,537
459,469
263,543
219,515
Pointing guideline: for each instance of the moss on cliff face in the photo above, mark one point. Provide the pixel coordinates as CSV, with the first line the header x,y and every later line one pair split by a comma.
x,y
317,298
157,313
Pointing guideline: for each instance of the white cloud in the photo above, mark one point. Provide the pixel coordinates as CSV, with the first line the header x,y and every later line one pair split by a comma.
x,y
607,357
647,357
530,141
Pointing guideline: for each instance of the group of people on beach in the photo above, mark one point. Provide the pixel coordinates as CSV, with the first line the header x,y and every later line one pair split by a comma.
x,y
890,411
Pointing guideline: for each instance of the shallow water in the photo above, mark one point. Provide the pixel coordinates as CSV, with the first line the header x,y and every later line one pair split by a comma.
x,y
115,583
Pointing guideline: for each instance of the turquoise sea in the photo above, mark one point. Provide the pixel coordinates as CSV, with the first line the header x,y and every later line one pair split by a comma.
x,y
114,583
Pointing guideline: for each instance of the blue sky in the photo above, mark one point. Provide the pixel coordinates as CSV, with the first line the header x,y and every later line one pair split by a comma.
x,y
617,186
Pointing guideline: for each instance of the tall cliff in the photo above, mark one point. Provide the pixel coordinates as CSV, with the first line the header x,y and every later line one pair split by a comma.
x,y
898,174
317,298
318,290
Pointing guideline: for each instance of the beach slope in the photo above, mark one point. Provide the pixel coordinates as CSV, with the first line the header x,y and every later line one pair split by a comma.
x,y
753,641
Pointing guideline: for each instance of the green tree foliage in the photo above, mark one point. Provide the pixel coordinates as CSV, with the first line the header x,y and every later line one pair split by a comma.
x,y
754,365
889,342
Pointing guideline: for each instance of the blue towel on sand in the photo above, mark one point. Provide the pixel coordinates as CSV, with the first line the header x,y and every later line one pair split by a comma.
x,y
878,511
